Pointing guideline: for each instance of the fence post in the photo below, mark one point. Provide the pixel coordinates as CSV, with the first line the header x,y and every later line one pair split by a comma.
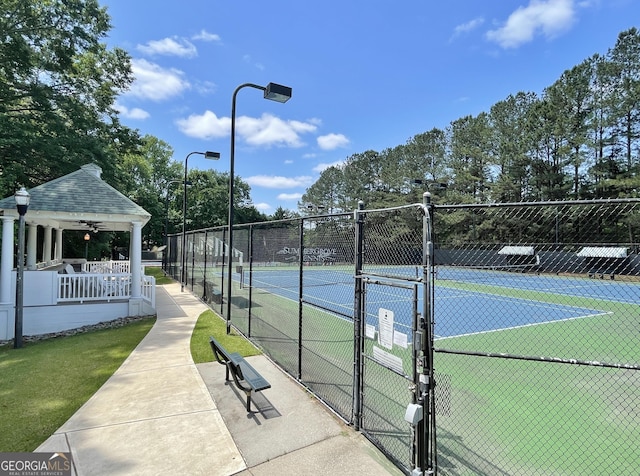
x,y
193,260
250,273
225,250
300,294
426,429
358,318
205,298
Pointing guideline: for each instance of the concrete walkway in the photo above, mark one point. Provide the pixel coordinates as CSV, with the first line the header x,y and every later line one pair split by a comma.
x,y
161,414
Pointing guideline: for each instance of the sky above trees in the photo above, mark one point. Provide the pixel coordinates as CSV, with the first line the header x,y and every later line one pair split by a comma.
x,y
362,78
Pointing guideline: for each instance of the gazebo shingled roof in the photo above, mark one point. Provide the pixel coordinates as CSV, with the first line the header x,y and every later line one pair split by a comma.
x,y
80,200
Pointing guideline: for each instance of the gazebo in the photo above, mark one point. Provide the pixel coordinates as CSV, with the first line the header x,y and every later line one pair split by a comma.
x,y
107,290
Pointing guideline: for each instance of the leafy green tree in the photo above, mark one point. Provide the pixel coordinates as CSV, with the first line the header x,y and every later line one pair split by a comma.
x,y
510,146
625,71
469,159
425,163
427,154
327,191
283,214
571,97
208,199
362,179
602,94
144,175
58,84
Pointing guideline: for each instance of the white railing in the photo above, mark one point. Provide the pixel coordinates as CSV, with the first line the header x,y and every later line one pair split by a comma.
x,y
149,290
48,264
120,266
103,281
93,287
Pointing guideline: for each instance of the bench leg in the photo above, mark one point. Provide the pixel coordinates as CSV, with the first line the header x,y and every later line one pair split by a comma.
x,y
248,401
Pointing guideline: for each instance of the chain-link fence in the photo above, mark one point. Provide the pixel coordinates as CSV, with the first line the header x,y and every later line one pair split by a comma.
x,y
526,317
537,310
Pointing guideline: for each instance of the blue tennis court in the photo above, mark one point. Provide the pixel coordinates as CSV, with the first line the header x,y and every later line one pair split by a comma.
x,y
462,313
457,311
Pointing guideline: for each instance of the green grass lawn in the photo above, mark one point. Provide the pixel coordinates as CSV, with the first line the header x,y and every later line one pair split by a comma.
x,y
156,272
45,382
210,324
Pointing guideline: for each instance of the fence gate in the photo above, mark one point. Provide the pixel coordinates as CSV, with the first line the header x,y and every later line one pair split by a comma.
x,y
394,403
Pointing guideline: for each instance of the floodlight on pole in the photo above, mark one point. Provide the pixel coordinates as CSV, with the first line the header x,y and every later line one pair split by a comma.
x,y
274,92
207,155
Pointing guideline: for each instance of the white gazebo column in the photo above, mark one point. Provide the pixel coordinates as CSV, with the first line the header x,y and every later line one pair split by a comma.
x,y
135,258
58,249
32,243
6,263
135,262
46,254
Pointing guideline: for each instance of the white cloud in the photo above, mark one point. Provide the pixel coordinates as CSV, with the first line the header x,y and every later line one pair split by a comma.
x,y
206,36
263,207
268,130
205,126
332,141
288,162
271,181
249,60
154,82
323,166
289,196
134,113
549,17
264,131
467,27
206,87
169,47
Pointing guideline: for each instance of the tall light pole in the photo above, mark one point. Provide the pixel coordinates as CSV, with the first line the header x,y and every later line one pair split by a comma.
x,y
274,92
22,204
207,155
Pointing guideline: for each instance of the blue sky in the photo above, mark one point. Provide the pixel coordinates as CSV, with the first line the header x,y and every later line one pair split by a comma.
x,y
365,75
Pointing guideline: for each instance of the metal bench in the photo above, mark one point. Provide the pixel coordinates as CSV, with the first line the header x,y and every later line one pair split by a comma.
x,y
601,273
211,294
244,375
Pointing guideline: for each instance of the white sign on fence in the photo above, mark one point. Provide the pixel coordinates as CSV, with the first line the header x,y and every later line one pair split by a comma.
x,y
385,334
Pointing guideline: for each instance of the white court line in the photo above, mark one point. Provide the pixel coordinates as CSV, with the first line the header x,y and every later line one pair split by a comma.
x,y
525,325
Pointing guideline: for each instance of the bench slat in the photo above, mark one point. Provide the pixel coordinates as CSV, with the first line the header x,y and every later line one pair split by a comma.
x,y
241,371
249,374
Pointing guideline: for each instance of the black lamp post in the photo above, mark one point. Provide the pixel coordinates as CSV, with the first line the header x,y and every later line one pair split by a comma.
x,y
22,204
207,155
87,237
274,92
